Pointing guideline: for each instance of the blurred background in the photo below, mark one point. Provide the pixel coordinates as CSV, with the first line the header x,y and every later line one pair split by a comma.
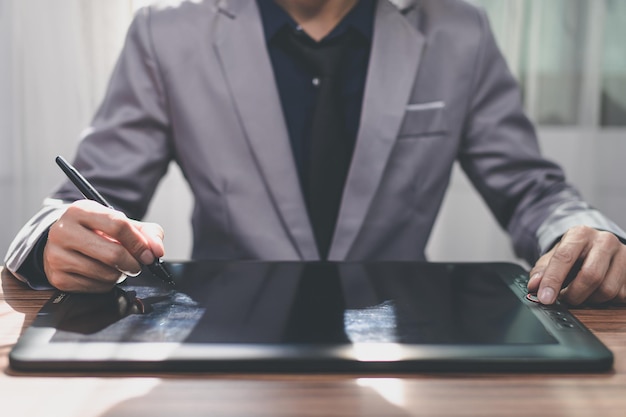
x,y
568,55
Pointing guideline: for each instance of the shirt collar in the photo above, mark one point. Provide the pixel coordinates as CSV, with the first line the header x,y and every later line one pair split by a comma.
x,y
360,18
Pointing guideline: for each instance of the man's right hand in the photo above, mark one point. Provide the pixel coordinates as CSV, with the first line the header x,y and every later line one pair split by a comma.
x,y
90,246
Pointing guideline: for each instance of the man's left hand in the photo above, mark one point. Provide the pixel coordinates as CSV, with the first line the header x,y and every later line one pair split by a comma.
x,y
602,274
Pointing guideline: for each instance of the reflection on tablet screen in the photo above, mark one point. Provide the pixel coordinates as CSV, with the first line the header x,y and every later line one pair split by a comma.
x,y
308,303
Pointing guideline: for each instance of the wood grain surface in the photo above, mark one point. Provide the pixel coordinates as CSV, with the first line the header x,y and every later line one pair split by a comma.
x,y
325,395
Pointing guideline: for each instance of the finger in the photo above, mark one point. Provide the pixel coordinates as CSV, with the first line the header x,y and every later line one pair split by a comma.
x,y
74,237
572,246
73,262
614,283
74,272
154,234
116,225
590,277
603,248
111,254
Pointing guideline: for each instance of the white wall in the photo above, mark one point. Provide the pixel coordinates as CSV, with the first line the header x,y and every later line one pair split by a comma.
x,y
55,57
8,210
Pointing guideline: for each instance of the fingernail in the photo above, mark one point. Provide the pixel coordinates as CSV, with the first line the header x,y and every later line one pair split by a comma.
x,y
147,257
546,296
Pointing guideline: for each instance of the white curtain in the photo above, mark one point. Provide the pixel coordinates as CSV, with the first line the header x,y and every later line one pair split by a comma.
x,y
55,60
569,56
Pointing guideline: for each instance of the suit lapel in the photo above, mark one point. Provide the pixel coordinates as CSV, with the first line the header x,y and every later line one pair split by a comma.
x,y
240,46
394,59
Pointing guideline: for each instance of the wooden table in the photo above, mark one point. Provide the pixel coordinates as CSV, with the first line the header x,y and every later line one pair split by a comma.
x,y
431,395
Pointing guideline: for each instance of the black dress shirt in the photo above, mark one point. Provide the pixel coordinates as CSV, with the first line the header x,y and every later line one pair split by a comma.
x,y
297,83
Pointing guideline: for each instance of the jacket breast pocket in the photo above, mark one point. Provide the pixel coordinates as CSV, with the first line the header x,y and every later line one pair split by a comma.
x,y
424,120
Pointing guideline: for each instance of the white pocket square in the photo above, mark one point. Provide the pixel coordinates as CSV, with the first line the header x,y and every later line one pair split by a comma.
x,y
426,106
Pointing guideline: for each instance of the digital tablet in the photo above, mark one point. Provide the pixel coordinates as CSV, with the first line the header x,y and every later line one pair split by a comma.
x,y
312,317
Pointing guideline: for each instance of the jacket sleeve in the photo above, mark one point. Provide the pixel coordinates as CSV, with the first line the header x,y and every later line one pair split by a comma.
x,y
28,238
528,194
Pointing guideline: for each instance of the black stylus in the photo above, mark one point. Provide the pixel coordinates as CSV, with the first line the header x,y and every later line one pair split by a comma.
x,y
156,268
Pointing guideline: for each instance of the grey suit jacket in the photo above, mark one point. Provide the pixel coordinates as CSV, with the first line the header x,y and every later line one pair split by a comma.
x,y
194,84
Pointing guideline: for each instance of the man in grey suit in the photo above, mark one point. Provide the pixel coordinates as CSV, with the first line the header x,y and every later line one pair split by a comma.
x,y
209,85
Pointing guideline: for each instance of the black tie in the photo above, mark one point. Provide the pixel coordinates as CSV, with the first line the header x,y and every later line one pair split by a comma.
x,y
330,149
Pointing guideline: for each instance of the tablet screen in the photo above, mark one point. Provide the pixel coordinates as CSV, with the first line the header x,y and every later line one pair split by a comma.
x,y
319,303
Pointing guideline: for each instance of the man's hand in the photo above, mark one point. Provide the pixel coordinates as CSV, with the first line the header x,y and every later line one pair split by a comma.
x,y
602,274
91,246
